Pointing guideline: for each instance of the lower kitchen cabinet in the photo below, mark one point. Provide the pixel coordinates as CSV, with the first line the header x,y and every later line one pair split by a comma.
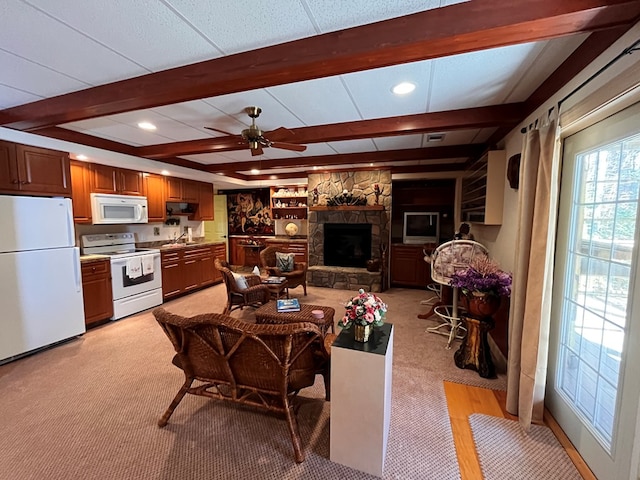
x,y
408,268
189,268
96,291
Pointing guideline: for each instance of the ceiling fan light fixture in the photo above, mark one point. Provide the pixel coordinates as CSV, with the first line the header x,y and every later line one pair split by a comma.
x,y
403,88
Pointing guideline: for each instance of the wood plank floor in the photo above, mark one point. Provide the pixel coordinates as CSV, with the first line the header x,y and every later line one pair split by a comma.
x,y
463,400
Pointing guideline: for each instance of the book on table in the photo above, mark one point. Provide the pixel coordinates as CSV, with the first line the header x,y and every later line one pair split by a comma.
x,y
273,280
288,305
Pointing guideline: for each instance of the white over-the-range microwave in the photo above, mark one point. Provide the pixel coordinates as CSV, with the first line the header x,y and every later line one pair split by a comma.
x,y
109,209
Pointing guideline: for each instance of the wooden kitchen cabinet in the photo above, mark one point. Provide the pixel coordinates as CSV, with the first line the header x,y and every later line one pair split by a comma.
x,y
155,192
121,181
236,252
80,191
408,268
172,273
189,268
219,251
181,190
205,201
96,291
34,171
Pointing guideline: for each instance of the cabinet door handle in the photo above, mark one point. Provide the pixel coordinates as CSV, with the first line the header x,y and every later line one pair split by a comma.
x,y
15,182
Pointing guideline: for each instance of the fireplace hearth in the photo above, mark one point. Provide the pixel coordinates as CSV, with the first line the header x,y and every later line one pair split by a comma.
x,y
347,244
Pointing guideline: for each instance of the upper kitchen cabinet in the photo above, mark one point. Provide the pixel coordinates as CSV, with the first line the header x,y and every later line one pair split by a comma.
x,y
181,190
205,201
108,179
80,190
156,201
34,171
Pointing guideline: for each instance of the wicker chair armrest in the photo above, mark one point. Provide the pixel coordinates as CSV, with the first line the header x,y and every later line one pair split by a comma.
x,y
253,280
274,271
300,266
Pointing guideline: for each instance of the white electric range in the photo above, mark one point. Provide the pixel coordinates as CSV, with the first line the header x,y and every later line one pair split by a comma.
x,y
136,275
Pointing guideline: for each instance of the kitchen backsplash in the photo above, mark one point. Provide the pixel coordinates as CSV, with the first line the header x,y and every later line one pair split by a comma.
x,y
145,232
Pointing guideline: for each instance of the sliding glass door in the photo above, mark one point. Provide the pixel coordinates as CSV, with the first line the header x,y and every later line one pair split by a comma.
x,y
593,383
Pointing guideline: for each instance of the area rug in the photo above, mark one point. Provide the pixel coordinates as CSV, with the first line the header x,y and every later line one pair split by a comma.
x,y
507,452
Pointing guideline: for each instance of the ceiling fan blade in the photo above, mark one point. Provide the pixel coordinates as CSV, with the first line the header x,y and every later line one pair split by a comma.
x,y
280,133
257,151
221,131
288,146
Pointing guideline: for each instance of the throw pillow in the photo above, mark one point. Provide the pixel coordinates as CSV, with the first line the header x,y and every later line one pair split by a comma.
x,y
241,282
285,261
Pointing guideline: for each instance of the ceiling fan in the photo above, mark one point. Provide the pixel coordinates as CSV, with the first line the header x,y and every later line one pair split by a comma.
x,y
257,139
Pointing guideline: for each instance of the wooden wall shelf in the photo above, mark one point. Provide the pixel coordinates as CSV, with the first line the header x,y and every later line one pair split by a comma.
x,y
325,208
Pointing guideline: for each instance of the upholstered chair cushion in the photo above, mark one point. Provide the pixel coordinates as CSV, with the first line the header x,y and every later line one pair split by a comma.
x,y
241,281
285,261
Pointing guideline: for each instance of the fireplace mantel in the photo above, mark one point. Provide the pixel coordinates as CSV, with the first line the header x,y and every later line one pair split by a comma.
x,y
326,208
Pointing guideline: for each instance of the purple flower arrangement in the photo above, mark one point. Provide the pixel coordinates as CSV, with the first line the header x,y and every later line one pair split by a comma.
x,y
364,309
482,275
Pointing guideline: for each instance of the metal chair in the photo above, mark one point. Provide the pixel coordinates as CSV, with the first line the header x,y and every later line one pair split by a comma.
x,y
445,261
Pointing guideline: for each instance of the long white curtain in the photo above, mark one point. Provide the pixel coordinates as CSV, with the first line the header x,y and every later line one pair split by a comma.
x,y
531,293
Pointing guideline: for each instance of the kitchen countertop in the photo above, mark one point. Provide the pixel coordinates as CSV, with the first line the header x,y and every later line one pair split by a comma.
x,y
165,245
276,238
92,258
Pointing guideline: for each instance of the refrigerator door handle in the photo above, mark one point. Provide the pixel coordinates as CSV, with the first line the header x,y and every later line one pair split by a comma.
x,y
70,224
76,269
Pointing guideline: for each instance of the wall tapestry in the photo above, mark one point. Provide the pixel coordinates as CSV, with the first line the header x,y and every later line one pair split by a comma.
x,y
249,212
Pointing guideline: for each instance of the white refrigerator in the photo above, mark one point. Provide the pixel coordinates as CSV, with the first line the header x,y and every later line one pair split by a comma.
x,y
40,279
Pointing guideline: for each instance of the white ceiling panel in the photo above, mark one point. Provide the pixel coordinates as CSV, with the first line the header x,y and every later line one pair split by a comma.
x,y
119,132
10,97
34,35
235,27
30,77
274,114
318,102
331,15
199,114
372,93
398,142
146,32
479,78
551,55
168,129
353,146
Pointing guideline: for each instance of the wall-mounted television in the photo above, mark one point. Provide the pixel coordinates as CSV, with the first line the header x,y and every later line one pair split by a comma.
x,y
421,227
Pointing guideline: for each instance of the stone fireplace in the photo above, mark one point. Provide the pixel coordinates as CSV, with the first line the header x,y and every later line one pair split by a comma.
x,y
373,219
347,244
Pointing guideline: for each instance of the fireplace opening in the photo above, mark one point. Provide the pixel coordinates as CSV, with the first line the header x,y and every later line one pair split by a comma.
x,y
347,244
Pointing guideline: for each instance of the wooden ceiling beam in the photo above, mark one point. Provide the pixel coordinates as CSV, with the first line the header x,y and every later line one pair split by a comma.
x,y
463,119
429,153
454,29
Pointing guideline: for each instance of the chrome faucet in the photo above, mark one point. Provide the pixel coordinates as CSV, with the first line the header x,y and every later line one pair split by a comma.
x,y
177,239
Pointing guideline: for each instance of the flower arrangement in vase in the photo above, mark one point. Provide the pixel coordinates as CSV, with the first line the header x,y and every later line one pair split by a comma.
x,y
364,311
483,283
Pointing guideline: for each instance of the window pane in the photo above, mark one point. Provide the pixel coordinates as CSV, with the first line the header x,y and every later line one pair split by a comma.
x,y
595,304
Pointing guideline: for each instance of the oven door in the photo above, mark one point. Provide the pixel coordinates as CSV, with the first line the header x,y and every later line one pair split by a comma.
x,y
124,284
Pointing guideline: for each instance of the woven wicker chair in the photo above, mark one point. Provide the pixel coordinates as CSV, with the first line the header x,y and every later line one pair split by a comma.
x,y
259,365
257,294
296,277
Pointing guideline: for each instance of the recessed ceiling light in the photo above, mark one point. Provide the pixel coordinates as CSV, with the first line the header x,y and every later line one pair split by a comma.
x,y
147,126
255,171
81,157
403,88
164,172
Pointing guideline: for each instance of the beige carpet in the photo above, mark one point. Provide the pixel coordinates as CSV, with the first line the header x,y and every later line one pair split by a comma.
x,y
506,452
88,409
